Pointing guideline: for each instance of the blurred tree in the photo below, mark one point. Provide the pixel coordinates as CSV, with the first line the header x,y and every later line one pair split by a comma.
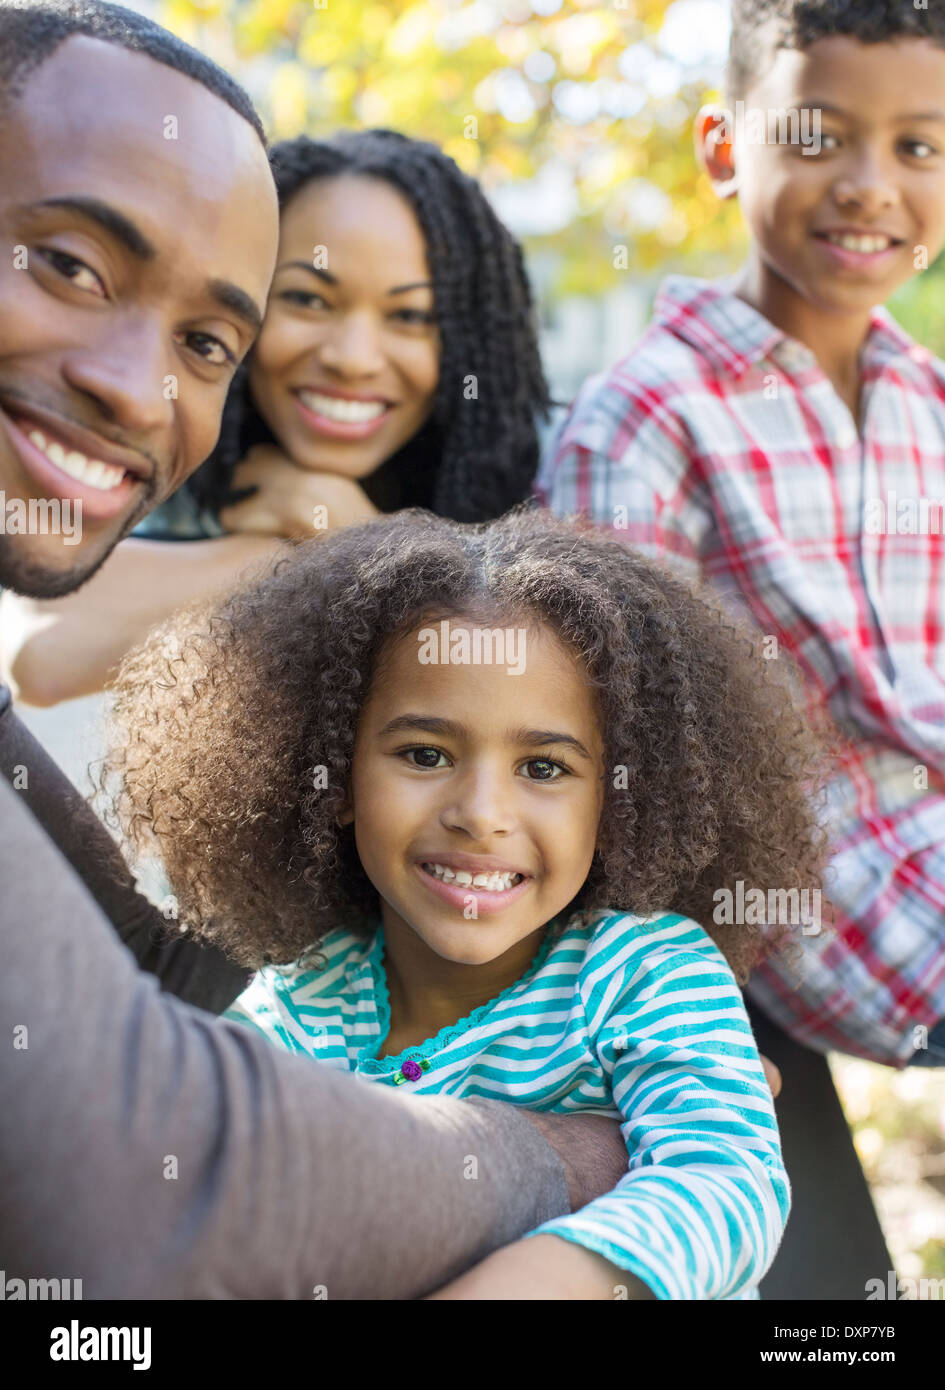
x,y
575,115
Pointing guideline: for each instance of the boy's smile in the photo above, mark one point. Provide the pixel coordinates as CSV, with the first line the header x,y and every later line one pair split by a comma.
x,y
836,231
476,799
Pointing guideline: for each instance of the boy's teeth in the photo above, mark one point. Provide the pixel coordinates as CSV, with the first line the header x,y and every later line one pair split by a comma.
x,y
347,412
867,245
92,472
494,882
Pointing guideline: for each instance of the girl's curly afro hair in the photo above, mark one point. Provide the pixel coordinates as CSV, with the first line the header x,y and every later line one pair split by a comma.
x,y
234,728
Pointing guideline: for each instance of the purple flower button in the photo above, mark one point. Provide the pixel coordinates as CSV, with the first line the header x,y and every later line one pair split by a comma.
x,y
411,1071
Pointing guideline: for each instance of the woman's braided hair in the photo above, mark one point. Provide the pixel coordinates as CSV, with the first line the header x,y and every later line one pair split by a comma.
x,y
478,453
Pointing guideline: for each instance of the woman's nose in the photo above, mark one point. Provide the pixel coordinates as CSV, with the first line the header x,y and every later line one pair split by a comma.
x,y
353,348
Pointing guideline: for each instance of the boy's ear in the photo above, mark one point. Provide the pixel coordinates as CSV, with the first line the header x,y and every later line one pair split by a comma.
x,y
713,140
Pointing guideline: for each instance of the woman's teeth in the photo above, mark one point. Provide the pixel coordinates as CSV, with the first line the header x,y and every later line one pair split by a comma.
x,y
866,245
92,472
346,412
494,882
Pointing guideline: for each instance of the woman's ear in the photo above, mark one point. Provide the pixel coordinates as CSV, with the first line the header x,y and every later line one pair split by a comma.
x,y
712,133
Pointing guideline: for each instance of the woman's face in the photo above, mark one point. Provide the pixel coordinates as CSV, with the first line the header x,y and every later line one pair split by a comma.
x,y
346,367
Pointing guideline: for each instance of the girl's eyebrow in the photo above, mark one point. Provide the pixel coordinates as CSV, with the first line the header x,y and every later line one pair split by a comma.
x,y
431,724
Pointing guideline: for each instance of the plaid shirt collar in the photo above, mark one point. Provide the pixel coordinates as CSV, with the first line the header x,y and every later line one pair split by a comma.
x,y
732,335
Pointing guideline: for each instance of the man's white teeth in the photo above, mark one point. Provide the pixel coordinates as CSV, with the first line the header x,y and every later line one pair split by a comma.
x,y
494,882
866,245
347,412
92,472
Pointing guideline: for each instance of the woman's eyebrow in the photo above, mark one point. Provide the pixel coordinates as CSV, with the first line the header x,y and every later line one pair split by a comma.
x,y
324,275
417,285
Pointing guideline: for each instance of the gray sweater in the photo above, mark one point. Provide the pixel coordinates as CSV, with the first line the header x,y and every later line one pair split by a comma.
x,y
154,1151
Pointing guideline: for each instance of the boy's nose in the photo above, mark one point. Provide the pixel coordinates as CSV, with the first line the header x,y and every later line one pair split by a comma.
x,y
866,185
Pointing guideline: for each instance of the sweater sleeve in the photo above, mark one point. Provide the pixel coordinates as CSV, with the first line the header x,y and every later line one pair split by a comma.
x,y
702,1208
199,974
155,1152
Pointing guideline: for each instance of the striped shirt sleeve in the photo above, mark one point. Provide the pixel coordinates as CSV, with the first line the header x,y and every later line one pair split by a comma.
x,y
702,1208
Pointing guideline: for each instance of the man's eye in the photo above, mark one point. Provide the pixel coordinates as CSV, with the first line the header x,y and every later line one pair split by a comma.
x,y
209,348
73,270
546,770
426,757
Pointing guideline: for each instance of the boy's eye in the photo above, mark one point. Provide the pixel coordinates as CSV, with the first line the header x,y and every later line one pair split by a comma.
x,y
207,347
73,270
919,149
545,770
425,757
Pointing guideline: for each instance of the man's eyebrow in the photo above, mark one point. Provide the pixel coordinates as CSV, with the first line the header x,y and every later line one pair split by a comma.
x,y
531,738
231,297
108,218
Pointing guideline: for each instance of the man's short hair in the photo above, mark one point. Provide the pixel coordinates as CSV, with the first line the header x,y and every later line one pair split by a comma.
x,y
31,31
760,27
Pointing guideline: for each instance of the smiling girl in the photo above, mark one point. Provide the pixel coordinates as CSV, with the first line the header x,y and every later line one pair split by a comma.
x,y
482,879
397,366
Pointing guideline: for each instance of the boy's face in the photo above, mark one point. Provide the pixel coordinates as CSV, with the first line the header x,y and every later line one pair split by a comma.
x,y
843,227
478,771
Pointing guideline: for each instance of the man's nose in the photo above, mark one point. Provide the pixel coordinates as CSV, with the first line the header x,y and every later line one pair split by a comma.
x,y
867,183
128,372
352,346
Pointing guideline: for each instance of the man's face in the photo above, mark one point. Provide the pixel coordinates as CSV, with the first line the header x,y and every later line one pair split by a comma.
x,y
138,235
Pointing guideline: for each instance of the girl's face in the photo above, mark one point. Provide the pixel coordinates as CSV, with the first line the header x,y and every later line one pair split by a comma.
x,y
346,367
462,770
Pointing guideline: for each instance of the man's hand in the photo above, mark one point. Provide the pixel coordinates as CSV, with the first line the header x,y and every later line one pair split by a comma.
x,y
591,1149
290,501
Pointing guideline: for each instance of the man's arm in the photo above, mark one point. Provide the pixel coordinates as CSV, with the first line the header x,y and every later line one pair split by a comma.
x,y
59,649
155,1152
197,973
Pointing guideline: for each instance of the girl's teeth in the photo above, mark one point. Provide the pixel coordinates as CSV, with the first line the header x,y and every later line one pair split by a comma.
x,y
92,472
866,245
494,882
347,412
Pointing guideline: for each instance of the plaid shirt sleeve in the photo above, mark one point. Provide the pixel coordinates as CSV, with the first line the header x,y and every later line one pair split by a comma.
x,y
623,459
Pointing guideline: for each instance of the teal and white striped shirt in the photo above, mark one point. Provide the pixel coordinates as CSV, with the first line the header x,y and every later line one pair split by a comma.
x,y
617,1015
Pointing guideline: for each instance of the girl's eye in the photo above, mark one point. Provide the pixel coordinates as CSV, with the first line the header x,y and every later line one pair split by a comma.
x,y
546,770
209,348
73,270
307,298
426,757
825,142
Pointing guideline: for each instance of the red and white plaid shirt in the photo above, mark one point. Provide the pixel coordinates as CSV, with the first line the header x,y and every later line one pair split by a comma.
x,y
719,444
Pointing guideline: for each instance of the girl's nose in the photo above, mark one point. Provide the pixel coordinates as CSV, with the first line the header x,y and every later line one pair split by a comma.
x,y
481,805
352,348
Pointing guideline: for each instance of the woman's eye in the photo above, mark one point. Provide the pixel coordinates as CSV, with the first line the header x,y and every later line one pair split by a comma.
x,y
545,770
307,298
209,348
73,270
423,316
426,757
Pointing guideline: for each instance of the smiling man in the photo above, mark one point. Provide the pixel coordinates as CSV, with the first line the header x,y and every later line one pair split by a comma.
x,y
138,233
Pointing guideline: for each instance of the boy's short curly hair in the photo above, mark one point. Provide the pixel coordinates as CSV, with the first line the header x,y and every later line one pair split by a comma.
x,y
760,27
224,717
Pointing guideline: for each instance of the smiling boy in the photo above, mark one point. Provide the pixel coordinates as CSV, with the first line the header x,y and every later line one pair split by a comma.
x,y
747,438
